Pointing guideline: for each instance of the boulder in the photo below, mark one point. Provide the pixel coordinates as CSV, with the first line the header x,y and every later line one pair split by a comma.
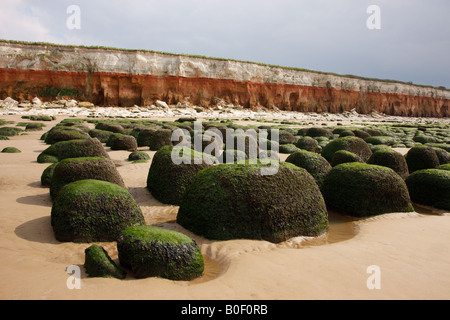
x,y
157,252
97,263
362,190
430,187
93,211
235,201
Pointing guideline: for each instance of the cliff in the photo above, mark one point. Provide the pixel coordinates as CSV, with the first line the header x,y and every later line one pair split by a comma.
x,y
113,77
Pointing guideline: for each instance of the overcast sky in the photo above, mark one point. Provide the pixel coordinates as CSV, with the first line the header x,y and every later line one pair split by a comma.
x,y
413,43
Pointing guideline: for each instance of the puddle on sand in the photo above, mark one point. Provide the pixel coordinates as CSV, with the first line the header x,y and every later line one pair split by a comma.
x,y
341,228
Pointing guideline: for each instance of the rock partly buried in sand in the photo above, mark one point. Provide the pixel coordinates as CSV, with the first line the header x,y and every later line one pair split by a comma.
x,y
139,156
157,252
11,150
421,157
93,211
232,201
97,263
362,190
314,163
344,156
391,159
47,174
167,179
74,169
308,144
353,144
160,138
124,142
101,135
430,187
58,134
73,149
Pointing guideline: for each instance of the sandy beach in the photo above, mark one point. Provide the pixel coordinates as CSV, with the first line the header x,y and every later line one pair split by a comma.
x,y
412,251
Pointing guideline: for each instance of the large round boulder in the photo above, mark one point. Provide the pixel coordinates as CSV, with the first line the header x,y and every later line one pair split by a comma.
x,y
91,147
391,159
74,169
93,211
362,190
232,201
422,157
157,252
430,187
160,138
172,170
314,163
353,144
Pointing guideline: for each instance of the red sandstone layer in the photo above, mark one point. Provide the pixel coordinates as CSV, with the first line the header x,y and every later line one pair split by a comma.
x,y
124,90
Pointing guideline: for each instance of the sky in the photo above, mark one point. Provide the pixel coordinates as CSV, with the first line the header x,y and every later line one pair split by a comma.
x,y
412,43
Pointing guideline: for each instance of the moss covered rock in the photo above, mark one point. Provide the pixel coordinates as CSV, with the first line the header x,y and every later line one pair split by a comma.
x,y
362,190
101,135
383,140
167,180
391,159
308,144
445,167
11,150
47,174
430,187
422,157
443,155
161,138
344,156
74,169
156,252
144,137
231,201
124,142
58,134
93,211
73,149
138,156
288,148
314,163
353,144
318,132
97,263
10,131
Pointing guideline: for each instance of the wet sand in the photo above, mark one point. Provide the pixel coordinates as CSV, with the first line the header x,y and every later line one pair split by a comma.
x,y
412,250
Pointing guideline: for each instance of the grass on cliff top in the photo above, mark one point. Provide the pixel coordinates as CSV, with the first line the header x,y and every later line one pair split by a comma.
x,y
222,59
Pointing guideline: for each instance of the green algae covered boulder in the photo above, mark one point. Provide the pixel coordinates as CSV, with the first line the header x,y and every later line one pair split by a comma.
x,y
160,138
233,201
98,264
139,156
344,156
93,211
167,179
444,167
57,134
11,150
74,169
430,187
124,142
47,174
91,147
157,252
363,190
422,157
352,144
308,144
391,159
314,163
